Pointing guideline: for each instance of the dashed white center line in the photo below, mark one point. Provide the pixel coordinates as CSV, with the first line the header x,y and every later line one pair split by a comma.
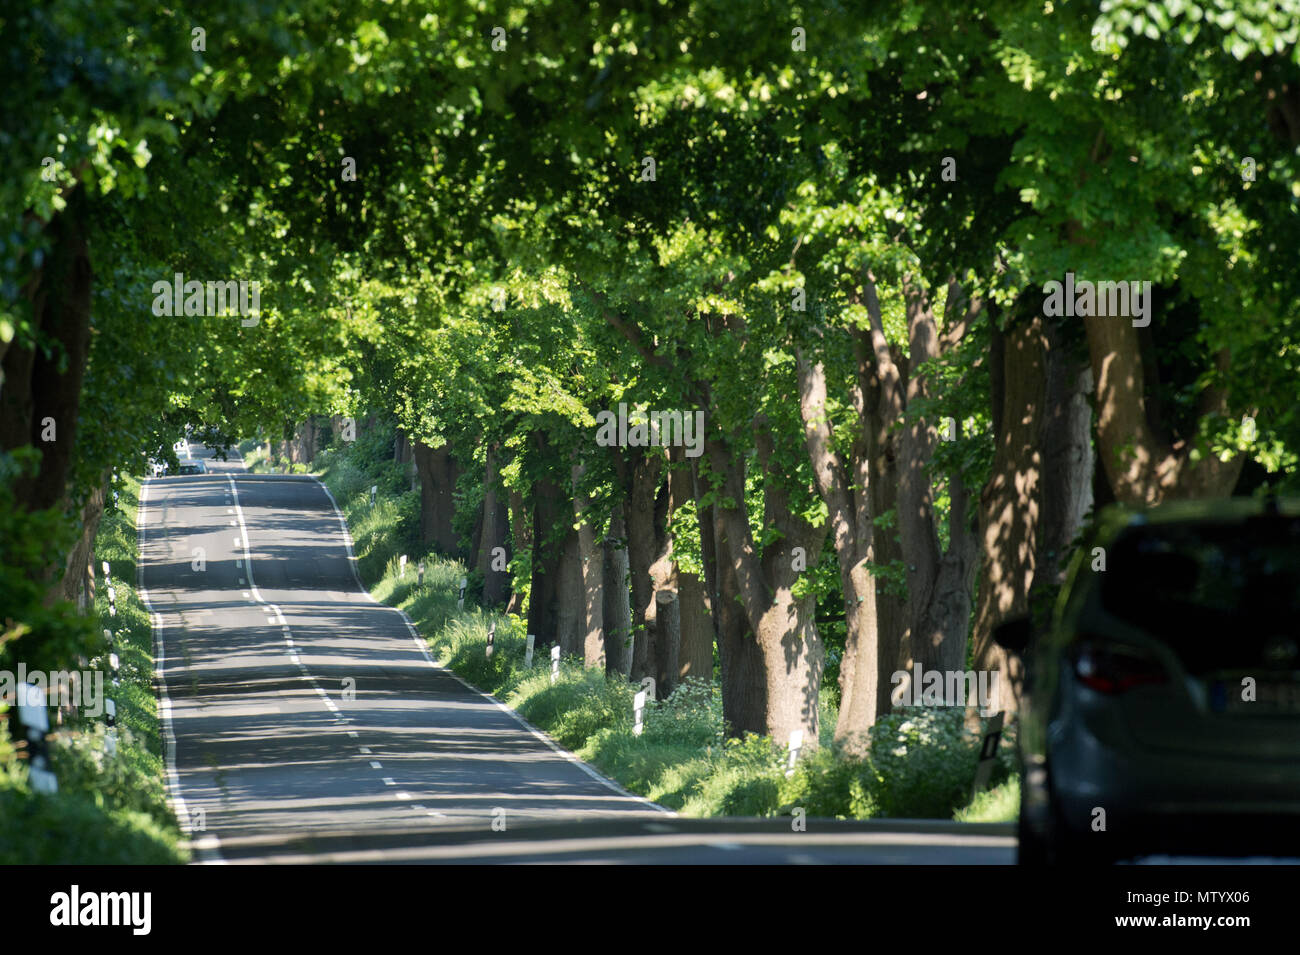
x,y
388,781
365,750
376,764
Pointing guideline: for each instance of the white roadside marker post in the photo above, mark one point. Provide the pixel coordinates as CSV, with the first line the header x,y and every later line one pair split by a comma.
x,y
988,753
492,633
460,603
638,712
36,723
402,567
645,694
796,744
110,720
374,490
528,651
421,580
555,663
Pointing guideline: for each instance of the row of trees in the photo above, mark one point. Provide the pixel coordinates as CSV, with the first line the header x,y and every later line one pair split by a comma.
x,y
825,231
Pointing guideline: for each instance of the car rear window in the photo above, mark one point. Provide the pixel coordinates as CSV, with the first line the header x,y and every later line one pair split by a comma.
x,y
1222,595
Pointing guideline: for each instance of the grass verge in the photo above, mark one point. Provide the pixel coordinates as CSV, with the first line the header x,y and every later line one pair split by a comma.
x,y
110,808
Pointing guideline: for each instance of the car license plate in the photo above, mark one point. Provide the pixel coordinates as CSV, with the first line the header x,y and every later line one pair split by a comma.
x,y
1272,697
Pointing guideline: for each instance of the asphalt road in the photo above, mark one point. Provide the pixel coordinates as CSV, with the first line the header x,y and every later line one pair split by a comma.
x,y
306,722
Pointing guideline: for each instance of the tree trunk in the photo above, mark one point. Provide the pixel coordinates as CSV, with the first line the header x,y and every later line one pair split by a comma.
x,y
892,634
493,534
1067,466
75,568
668,621
617,609
666,578
1010,501
438,473
43,385
744,677
789,646
1143,468
696,643
522,534
570,614
851,534
643,550
551,517
947,615
592,565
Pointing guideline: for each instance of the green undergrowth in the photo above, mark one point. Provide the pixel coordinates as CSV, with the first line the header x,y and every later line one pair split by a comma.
x,y
109,808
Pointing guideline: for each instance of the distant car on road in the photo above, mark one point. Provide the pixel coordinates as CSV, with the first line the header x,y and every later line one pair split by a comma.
x,y
193,467
1161,712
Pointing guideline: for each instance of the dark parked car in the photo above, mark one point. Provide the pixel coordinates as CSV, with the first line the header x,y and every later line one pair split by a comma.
x,y
1161,712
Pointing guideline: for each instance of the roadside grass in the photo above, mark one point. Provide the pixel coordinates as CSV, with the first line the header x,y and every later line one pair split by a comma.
x,y
109,809
922,761
999,804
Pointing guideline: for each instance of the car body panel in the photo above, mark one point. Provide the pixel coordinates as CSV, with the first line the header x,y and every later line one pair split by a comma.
x,y
1175,749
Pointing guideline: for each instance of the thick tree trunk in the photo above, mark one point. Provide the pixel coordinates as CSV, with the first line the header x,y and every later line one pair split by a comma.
x,y
521,531
74,572
1143,468
696,648
668,621
667,578
570,614
915,447
1067,466
1010,502
438,473
617,608
947,616
644,545
892,633
744,676
846,497
790,648
552,516
43,386
592,564
493,534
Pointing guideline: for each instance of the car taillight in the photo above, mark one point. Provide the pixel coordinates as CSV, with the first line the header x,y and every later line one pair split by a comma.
x,y
1108,668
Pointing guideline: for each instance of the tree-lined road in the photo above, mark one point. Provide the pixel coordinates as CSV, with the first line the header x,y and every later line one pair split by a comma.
x,y
260,625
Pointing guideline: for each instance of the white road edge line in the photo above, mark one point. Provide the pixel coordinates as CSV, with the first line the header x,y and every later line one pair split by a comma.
x,y
208,848
424,651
